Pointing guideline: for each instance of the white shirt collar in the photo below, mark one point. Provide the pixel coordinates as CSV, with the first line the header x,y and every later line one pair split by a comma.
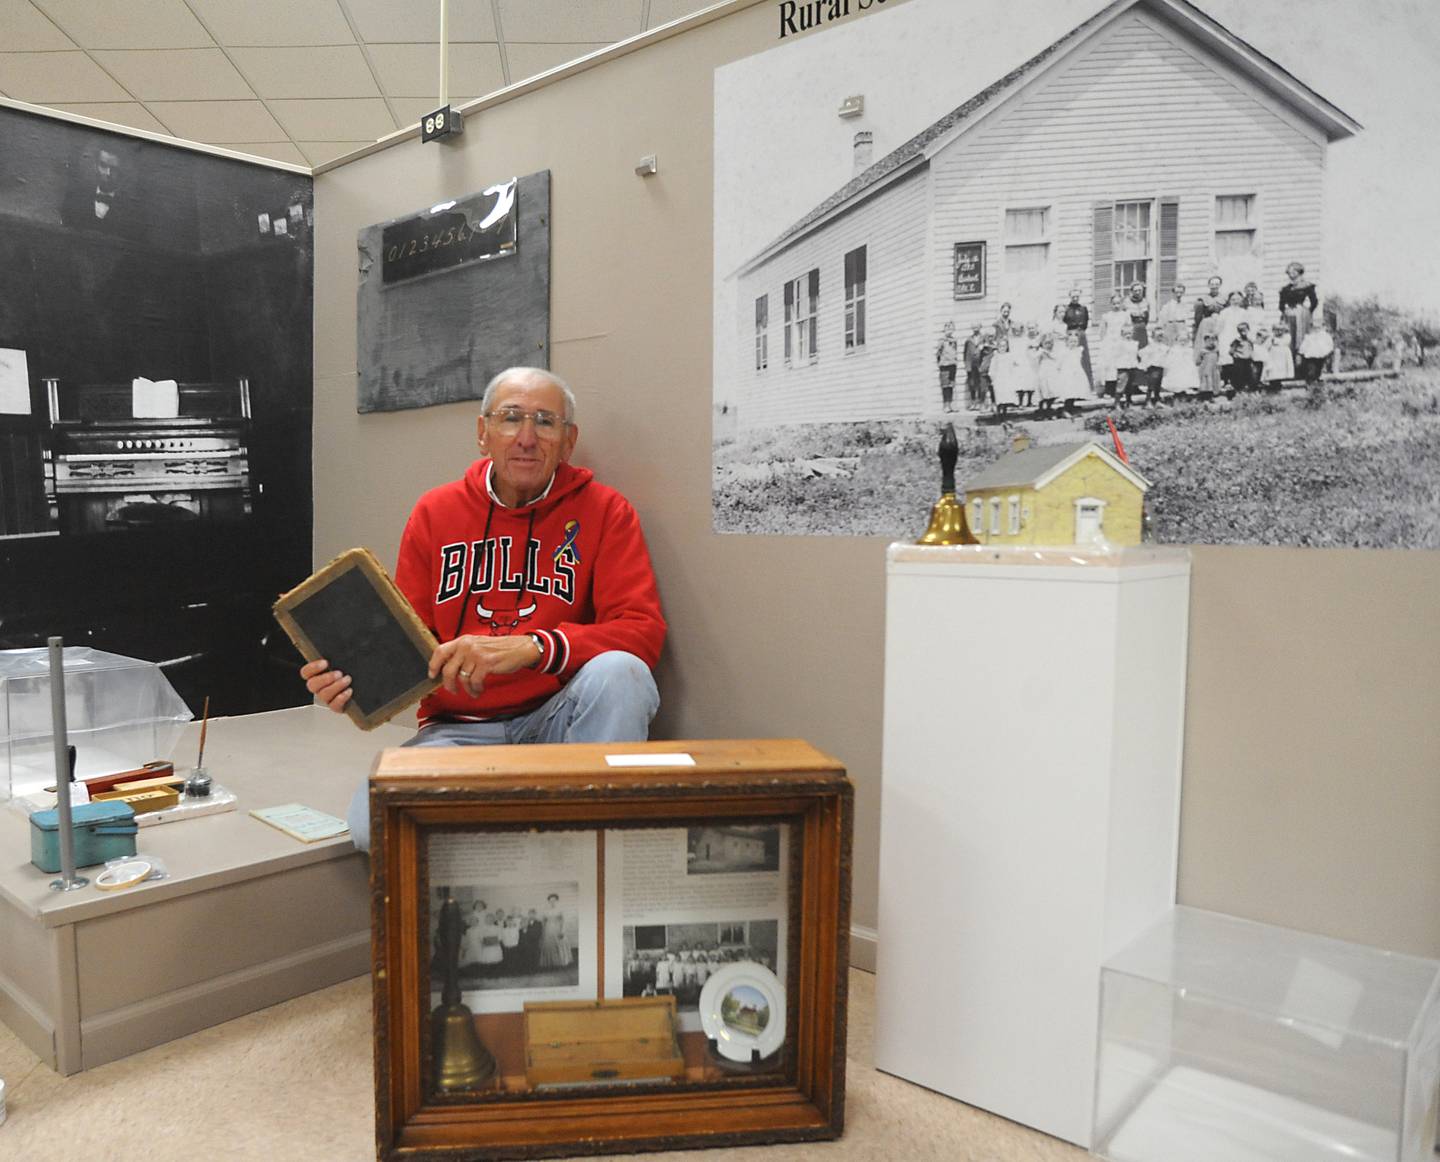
x,y
489,472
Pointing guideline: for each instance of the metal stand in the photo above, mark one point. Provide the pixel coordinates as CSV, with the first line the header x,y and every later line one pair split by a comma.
x,y
68,880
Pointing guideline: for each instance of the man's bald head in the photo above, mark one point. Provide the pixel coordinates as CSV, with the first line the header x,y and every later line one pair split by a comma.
x,y
527,375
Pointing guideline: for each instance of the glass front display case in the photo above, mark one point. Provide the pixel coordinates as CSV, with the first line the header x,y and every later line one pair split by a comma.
x,y
621,950
1226,1038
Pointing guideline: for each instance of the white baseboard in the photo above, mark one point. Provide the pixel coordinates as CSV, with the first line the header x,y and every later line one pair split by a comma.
x,y
863,944
27,1019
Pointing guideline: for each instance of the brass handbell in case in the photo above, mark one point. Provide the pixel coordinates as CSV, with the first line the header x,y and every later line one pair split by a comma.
x,y
947,516
461,1059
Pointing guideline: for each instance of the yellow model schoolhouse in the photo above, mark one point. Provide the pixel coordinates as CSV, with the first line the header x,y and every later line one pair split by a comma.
x,y
1059,494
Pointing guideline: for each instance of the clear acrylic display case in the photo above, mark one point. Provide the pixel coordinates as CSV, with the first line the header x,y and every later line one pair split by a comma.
x,y
120,713
1222,1038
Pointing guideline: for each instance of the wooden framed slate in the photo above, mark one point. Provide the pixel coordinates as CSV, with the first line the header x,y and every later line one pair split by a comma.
x,y
351,614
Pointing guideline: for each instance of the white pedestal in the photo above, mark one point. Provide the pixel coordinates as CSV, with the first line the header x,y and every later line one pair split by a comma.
x,y
1034,711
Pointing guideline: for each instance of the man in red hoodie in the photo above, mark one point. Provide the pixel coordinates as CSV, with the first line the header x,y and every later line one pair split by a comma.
x,y
536,580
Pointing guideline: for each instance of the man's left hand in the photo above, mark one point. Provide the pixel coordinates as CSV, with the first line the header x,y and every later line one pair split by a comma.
x,y
464,664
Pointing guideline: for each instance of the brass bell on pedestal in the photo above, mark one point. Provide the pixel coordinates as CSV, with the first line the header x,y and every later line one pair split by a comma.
x,y
948,525
461,1059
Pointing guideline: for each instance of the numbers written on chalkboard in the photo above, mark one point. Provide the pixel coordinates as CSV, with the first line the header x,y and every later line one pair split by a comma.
x,y
472,229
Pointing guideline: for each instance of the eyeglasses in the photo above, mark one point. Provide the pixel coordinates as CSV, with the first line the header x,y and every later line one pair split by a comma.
x,y
509,421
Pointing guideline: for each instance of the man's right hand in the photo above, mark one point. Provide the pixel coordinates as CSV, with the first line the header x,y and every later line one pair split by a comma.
x,y
330,687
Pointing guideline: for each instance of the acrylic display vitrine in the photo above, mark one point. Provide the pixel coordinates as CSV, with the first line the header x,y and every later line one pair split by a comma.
x,y
585,948
1226,1038
120,713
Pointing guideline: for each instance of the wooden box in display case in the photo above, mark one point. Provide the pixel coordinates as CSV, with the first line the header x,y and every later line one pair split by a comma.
x,y
568,1042
606,948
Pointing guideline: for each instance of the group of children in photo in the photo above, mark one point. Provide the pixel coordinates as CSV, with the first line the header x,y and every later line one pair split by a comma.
x,y
682,972
1219,345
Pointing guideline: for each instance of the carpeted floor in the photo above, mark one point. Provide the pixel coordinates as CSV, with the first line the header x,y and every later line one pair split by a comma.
x,y
293,1083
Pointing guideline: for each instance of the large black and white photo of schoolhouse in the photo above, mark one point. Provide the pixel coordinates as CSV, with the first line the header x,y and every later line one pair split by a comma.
x,y
1155,214
515,936
677,959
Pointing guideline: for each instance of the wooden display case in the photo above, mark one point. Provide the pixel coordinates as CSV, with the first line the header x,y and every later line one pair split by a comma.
x,y
648,941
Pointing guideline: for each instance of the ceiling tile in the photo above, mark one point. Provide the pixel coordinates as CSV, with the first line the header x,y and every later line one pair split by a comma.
x,y
664,11
48,77
405,21
332,120
27,30
411,109
269,22
528,59
319,152
151,24
276,151
340,71
218,122
130,113
413,70
565,20
177,74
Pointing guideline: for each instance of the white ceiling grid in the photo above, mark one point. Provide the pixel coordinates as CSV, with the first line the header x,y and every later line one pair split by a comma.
x,y
301,81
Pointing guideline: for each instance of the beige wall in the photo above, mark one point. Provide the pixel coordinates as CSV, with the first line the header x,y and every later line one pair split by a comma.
x,y
1311,789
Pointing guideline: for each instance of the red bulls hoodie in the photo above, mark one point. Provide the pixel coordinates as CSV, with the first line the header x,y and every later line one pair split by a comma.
x,y
571,567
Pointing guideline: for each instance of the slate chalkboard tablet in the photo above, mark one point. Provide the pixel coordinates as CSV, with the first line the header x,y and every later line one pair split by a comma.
x,y
351,614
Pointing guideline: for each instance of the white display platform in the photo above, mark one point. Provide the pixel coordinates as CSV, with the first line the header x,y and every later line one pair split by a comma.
x,y
249,916
1034,711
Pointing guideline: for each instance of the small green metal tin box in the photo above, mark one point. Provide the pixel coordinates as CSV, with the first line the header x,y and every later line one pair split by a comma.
x,y
103,831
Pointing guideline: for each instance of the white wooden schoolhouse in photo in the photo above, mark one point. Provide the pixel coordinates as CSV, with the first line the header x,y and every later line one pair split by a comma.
x,y
1148,144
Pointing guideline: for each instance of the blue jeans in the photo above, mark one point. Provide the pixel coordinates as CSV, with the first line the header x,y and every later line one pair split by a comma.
x,y
611,698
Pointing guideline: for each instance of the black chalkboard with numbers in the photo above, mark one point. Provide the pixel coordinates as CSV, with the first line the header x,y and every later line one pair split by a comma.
x,y
351,614
969,270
